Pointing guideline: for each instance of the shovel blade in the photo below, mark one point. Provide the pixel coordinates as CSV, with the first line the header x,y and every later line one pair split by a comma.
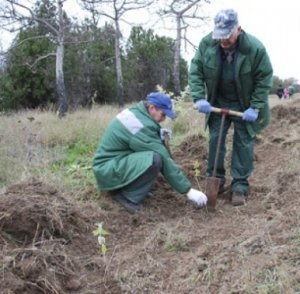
x,y
212,190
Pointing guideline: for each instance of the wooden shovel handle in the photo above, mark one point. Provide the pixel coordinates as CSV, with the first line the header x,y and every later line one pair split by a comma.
x,y
224,111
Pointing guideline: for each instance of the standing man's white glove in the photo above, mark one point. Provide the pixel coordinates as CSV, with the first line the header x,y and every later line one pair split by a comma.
x,y
197,197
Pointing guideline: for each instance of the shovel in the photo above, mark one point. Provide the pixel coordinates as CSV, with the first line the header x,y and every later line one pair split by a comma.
x,y
213,183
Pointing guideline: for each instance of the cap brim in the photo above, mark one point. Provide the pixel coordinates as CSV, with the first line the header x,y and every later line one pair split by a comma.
x,y
169,113
222,33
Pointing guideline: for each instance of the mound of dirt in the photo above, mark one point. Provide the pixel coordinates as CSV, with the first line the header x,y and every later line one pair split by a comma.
x,y
47,242
191,154
170,247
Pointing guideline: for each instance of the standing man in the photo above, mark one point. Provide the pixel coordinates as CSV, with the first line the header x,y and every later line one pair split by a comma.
x,y
231,69
132,153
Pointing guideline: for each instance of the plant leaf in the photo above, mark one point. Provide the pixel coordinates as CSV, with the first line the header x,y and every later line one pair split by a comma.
x,y
103,249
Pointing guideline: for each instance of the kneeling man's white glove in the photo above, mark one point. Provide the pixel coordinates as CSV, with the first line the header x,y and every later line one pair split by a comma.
x,y
197,197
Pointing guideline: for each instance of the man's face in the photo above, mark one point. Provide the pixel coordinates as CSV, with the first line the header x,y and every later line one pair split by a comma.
x,y
157,114
231,41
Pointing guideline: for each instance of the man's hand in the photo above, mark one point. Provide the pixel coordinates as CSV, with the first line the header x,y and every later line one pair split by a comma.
x,y
203,106
197,197
250,114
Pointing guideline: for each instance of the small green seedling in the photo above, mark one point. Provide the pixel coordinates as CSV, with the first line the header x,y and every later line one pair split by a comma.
x,y
100,233
196,167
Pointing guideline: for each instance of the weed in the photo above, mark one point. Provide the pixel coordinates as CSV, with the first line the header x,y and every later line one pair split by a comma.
x,y
271,282
176,242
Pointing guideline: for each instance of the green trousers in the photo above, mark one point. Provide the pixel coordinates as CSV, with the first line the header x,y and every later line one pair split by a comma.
x,y
242,151
137,190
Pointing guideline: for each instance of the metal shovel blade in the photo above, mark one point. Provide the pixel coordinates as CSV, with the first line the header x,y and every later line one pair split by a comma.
x,y
212,190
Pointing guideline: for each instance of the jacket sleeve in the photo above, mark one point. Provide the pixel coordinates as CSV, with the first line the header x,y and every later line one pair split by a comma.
x,y
196,75
263,74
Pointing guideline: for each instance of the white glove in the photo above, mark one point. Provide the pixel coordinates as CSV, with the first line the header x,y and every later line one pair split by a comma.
x,y
165,134
197,197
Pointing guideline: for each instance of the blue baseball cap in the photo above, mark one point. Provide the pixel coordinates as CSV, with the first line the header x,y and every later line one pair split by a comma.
x,y
225,23
163,102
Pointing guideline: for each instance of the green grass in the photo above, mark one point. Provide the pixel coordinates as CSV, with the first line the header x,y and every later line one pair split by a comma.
x,y
271,282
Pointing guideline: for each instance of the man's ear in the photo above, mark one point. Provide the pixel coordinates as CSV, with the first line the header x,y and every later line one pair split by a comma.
x,y
151,108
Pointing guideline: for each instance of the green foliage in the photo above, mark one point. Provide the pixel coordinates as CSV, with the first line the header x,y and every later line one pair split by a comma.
x,y
24,86
46,10
90,66
27,83
149,62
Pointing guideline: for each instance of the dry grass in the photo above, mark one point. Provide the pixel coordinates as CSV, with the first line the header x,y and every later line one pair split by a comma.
x,y
32,141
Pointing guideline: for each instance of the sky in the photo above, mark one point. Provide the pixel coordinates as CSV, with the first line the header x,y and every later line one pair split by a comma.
x,y
275,23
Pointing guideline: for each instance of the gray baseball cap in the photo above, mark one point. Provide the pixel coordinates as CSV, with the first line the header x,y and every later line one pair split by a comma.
x,y
225,23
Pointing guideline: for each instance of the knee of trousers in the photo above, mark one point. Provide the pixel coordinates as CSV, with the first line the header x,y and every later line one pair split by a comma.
x,y
157,161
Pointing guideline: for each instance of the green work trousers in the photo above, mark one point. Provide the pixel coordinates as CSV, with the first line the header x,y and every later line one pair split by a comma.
x,y
242,151
137,191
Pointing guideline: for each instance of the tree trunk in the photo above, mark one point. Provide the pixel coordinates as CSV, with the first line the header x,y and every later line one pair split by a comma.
x,y
120,87
176,67
60,81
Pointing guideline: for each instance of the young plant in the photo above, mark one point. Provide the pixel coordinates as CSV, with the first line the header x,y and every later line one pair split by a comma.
x,y
100,233
197,168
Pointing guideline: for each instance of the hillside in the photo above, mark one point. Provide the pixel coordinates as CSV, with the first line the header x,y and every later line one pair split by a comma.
x,y
47,243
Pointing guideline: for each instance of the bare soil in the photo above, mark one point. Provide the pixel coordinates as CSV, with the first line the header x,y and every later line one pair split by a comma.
x,y
47,245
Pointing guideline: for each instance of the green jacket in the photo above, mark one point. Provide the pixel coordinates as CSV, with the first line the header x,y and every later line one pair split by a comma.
x,y
126,152
253,76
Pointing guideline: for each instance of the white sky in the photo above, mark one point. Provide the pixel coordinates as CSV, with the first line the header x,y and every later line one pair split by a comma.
x,y
275,23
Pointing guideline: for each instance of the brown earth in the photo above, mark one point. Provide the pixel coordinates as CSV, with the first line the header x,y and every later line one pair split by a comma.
x,y
47,243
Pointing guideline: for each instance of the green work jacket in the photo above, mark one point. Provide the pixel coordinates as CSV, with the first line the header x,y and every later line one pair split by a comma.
x,y
126,151
252,74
